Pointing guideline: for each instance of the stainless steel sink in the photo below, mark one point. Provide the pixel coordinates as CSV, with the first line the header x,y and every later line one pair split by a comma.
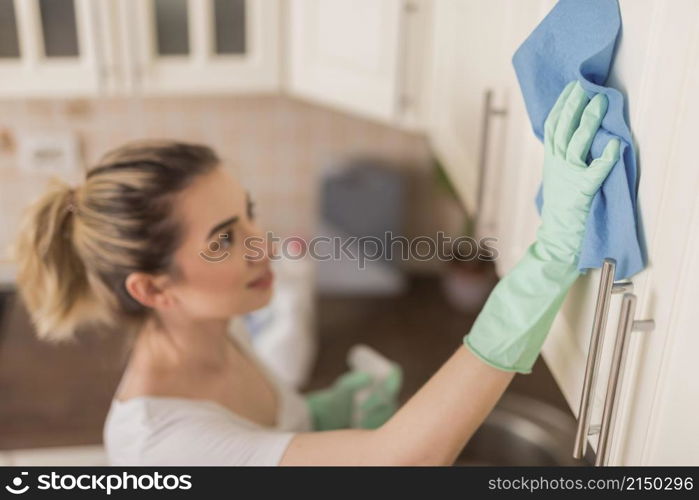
x,y
522,431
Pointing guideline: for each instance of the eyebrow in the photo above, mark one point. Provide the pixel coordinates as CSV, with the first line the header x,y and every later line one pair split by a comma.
x,y
221,225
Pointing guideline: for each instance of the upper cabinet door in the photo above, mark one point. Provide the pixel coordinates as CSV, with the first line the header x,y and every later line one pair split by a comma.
x,y
656,418
200,46
354,55
466,96
49,48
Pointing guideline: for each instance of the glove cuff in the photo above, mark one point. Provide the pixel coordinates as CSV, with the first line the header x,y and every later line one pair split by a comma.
x,y
474,349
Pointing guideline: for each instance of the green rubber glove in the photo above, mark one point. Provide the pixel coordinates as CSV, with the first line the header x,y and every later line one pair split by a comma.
x,y
382,401
511,328
332,408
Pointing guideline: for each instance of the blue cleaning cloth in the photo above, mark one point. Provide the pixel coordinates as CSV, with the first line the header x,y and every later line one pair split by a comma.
x,y
575,41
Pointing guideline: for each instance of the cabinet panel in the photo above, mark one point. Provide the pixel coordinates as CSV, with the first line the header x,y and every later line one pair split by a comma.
x,y
52,48
658,109
122,47
171,20
229,27
665,124
331,64
467,61
522,158
661,113
9,39
59,29
200,46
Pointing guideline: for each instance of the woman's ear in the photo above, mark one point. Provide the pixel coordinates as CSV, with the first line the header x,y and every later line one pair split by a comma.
x,y
148,289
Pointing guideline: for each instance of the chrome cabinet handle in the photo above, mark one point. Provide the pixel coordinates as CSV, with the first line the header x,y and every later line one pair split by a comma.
x,y
607,287
488,112
626,325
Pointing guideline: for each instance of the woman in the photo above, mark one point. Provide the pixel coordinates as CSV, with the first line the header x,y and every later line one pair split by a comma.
x,y
126,249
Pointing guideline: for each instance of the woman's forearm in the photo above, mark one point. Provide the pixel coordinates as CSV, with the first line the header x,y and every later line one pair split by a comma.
x,y
435,424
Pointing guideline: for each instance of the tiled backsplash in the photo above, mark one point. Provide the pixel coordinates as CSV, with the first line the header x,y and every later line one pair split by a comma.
x,y
276,145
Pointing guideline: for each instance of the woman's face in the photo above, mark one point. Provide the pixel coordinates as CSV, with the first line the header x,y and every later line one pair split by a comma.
x,y
224,258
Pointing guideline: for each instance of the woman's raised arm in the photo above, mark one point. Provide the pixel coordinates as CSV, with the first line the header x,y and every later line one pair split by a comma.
x,y
435,424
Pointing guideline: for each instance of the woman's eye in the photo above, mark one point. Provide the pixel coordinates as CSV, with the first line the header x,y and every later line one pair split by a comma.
x,y
225,240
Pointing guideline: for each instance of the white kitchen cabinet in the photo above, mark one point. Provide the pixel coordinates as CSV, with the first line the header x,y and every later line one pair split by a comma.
x,y
48,48
199,46
658,398
361,56
467,69
138,47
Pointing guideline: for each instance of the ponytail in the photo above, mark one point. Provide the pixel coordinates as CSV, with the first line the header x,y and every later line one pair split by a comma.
x,y
51,276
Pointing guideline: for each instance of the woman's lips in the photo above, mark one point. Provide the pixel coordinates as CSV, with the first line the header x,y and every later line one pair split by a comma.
x,y
263,281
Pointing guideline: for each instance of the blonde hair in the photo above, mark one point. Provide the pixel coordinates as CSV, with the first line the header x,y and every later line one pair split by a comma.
x,y
76,246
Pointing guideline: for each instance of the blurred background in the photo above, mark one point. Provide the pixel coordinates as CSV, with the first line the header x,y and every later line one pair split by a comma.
x,y
327,111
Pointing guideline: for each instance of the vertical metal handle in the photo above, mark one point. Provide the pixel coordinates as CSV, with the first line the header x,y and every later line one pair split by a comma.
x,y
626,326
488,112
607,287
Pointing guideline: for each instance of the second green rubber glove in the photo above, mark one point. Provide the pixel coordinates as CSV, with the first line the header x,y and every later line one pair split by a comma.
x,y
331,408
511,328
382,401
335,407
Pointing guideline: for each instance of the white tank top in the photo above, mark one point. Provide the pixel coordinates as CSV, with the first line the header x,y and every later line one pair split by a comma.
x,y
164,430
